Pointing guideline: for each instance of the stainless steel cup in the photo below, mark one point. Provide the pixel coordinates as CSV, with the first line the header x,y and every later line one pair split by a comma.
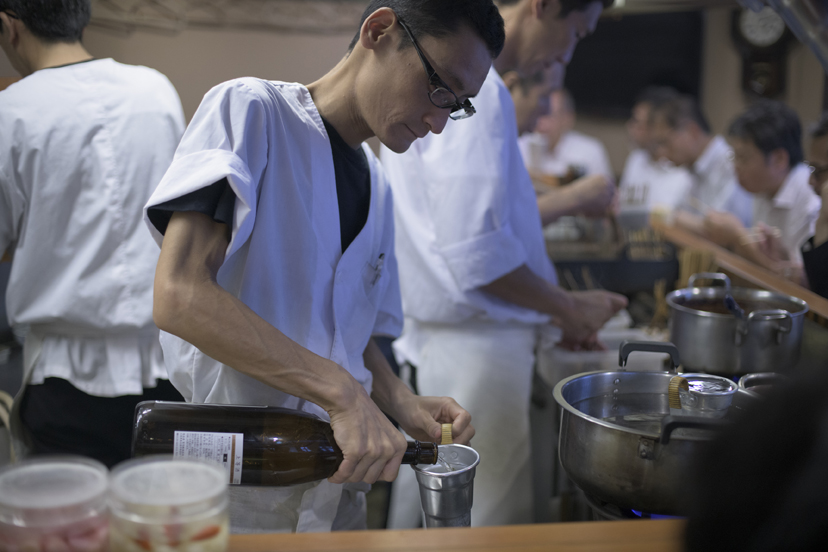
x,y
446,496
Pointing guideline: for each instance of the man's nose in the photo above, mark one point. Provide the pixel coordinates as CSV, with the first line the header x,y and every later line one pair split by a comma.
x,y
437,119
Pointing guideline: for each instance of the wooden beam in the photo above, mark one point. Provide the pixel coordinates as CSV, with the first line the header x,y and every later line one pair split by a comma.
x,y
611,536
730,262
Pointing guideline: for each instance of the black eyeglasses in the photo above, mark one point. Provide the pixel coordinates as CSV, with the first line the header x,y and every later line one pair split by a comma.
x,y
442,96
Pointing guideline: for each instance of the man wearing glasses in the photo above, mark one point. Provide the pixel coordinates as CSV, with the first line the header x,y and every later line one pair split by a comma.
x,y
476,281
277,257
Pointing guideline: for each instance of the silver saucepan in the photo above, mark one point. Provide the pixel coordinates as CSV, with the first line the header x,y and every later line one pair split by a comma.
x,y
712,339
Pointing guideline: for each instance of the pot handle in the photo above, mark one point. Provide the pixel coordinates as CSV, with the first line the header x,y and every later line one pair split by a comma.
x,y
775,314
715,276
672,423
628,347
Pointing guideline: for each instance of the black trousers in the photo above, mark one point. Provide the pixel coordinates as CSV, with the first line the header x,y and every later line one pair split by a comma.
x,y
64,420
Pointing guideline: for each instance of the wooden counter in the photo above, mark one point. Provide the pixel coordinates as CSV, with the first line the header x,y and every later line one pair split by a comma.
x,y
744,269
615,536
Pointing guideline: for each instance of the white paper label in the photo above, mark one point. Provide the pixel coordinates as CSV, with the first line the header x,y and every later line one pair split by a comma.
x,y
222,448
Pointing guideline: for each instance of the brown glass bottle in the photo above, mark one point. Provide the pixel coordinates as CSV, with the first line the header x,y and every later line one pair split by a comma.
x,y
280,446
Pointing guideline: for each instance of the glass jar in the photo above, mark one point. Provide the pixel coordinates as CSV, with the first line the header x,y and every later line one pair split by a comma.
x,y
159,503
56,503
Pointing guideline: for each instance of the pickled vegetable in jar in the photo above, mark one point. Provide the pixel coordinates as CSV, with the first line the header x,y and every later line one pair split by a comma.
x,y
57,503
161,504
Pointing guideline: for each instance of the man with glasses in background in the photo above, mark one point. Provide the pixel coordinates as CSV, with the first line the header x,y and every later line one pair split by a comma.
x,y
277,257
476,281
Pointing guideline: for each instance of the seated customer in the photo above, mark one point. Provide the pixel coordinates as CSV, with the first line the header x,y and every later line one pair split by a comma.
x,y
815,250
649,181
555,148
590,195
767,142
682,135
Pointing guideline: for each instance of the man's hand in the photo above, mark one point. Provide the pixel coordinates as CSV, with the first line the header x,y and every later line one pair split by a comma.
x,y
723,228
588,313
421,417
372,447
595,195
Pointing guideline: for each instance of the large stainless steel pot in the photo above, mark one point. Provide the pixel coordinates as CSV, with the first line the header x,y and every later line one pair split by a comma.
x,y
711,339
620,445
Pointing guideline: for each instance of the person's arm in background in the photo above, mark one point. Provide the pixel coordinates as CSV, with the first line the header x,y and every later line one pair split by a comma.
x,y
591,196
189,303
579,314
7,257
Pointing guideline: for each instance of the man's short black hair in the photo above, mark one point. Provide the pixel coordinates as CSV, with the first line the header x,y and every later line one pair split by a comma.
x,y
439,18
51,20
820,129
771,125
568,6
656,96
680,109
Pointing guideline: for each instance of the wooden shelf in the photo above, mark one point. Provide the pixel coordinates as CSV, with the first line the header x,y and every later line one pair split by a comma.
x,y
738,266
615,536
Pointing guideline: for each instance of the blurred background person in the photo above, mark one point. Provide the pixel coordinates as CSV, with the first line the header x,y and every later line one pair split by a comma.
x,y
84,143
682,135
556,149
767,142
649,181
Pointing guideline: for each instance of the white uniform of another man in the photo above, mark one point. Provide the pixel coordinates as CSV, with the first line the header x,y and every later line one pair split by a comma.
x,y
646,184
82,147
573,150
466,215
285,244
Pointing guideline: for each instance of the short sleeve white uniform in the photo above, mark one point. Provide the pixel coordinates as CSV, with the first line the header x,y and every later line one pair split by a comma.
x,y
793,210
647,184
574,149
284,261
82,147
467,215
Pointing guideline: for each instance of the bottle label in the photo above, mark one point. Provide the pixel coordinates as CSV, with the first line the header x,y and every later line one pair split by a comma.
x,y
223,448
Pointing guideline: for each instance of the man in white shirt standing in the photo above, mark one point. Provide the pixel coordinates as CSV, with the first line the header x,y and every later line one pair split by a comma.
x,y
648,182
277,248
477,283
767,142
556,148
682,135
83,144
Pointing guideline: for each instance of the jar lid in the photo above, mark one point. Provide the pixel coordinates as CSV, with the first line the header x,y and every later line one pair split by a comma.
x,y
154,488
52,491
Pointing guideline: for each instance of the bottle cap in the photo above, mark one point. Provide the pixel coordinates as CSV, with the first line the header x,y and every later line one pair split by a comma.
x,y
673,397
446,440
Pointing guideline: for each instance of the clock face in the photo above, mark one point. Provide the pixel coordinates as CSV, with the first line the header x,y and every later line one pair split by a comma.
x,y
761,29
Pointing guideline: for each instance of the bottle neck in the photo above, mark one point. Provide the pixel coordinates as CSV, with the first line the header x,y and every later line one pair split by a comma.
x,y
420,453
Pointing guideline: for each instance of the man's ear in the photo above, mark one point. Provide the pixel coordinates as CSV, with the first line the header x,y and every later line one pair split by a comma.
x,y
545,8
779,160
8,28
510,79
378,29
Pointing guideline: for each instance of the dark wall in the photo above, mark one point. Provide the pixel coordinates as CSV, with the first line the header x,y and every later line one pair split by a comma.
x,y
629,53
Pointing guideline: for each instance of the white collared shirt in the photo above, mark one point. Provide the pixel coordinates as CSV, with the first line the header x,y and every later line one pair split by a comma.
x,y
794,210
82,147
647,184
574,149
284,259
716,186
466,215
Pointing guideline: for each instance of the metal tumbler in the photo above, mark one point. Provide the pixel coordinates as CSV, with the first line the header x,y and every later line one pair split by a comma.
x,y
446,490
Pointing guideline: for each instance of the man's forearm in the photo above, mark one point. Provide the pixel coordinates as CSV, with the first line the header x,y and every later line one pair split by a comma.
x,y
387,390
557,203
526,289
6,257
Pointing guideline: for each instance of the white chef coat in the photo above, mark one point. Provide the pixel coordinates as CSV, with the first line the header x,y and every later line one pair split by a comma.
x,y
573,149
715,184
284,259
794,210
467,215
646,184
82,147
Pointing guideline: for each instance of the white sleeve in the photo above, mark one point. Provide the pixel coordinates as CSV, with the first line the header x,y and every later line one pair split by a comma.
x,y
227,138
470,171
11,211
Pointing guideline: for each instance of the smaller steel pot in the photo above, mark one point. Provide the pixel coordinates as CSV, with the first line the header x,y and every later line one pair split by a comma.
x,y
711,339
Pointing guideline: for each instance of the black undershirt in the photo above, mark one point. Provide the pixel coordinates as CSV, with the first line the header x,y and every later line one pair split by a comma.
x,y
816,266
353,194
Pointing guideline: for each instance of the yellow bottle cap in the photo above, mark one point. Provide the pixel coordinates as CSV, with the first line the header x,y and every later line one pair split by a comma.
x,y
446,440
673,396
